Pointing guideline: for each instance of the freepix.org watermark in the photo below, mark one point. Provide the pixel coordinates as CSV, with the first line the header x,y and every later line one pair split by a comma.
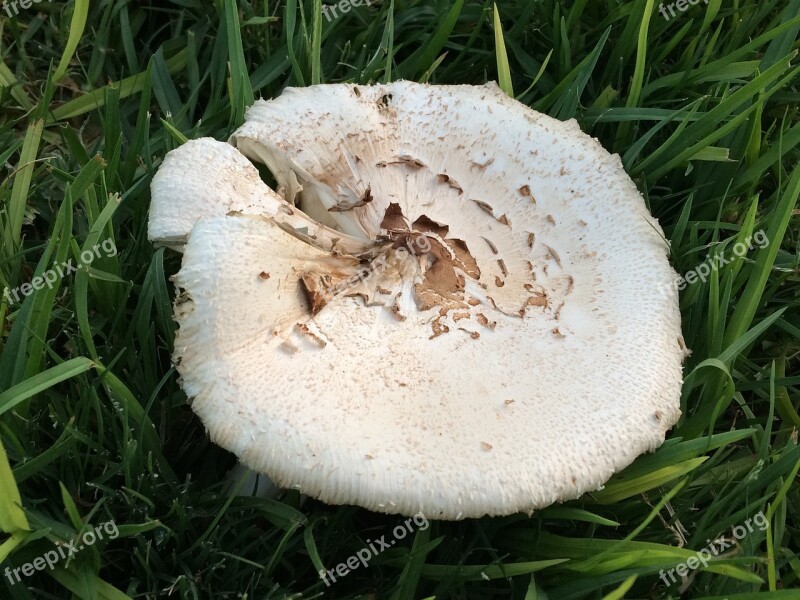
x,y
373,548
49,278
681,5
329,10
10,6
414,245
715,548
713,263
63,551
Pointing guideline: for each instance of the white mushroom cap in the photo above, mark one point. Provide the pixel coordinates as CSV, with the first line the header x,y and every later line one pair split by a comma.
x,y
511,345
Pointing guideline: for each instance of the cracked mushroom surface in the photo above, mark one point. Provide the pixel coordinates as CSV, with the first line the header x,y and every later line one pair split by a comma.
x,y
450,304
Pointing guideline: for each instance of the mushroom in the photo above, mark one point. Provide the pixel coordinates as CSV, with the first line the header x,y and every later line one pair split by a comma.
x,y
453,304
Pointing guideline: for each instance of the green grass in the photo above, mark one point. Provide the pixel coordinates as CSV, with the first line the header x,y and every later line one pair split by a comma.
x,y
703,110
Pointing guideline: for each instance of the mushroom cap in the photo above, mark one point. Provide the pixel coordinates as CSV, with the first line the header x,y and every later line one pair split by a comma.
x,y
477,325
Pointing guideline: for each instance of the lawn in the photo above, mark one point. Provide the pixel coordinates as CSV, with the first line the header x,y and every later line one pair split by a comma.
x,y
98,442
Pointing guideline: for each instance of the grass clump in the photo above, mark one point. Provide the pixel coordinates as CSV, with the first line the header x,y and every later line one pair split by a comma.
x,y
703,110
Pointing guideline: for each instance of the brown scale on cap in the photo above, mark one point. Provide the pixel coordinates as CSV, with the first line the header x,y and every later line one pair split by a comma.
x,y
533,301
393,218
491,244
315,291
426,224
408,161
444,178
525,190
482,166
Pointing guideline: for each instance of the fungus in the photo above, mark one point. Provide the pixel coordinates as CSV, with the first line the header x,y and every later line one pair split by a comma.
x,y
322,325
